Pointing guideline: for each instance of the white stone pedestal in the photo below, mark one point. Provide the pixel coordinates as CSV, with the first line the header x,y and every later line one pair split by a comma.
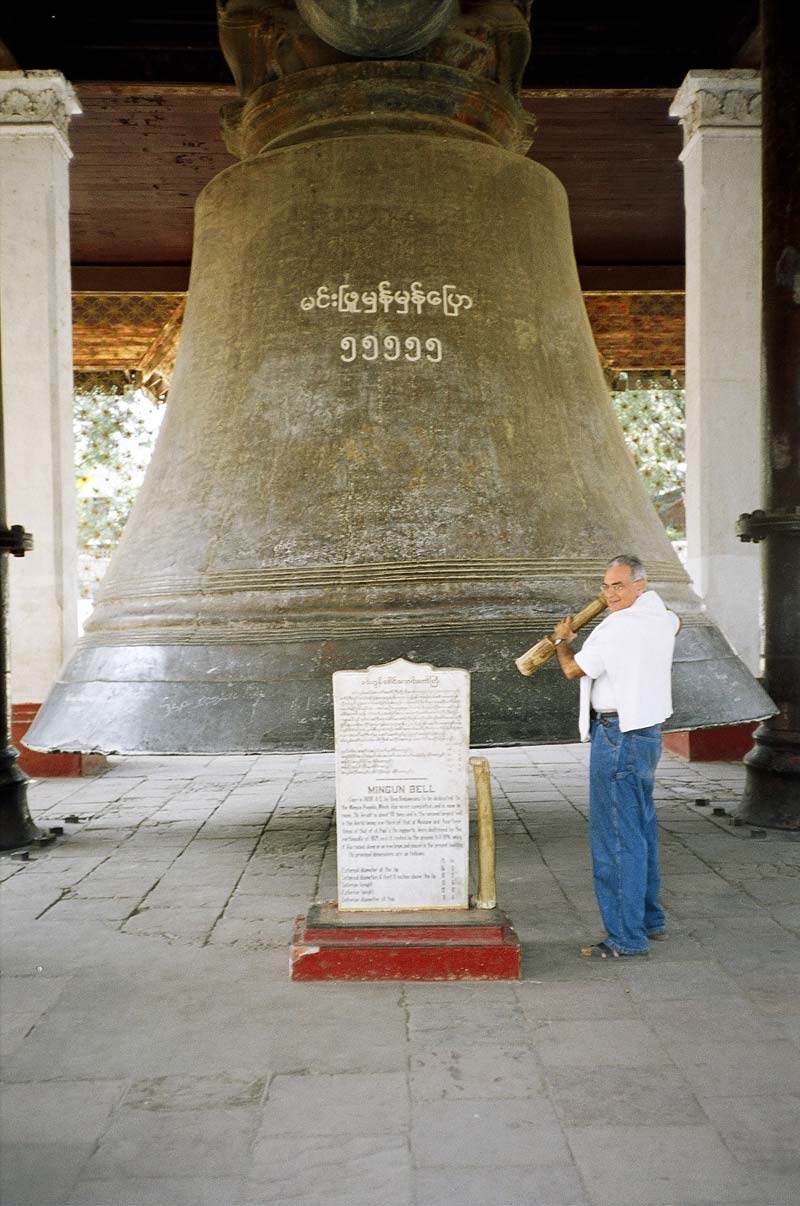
x,y
720,112
35,325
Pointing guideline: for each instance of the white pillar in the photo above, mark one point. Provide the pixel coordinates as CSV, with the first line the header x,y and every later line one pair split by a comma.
x,y
720,112
36,332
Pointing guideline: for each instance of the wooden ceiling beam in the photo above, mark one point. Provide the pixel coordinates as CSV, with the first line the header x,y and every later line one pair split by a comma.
x,y
174,278
130,278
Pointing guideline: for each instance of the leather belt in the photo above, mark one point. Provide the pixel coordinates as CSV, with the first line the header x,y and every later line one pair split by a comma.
x,y
603,717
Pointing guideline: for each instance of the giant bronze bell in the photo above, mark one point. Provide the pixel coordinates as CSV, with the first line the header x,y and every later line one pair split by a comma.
x,y
388,432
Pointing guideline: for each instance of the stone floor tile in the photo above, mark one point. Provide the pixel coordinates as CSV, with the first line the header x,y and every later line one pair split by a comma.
x,y
297,885
330,1044
441,1071
314,1170
156,1191
781,956
165,1020
485,1132
560,962
115,911
466,1018
252,934
639,1096
657,1166
359,1103
68,1112
759,1128
194,1092
760,1185
775,991
560,1002
23,1001
751,1067
625,1042
710,1019
718,906
41,1174
197,1025
500,1186
777,891
173,923
181,895
108,885
27,901
459,1001
265,907
70,869
165,1143
791,1026
665,979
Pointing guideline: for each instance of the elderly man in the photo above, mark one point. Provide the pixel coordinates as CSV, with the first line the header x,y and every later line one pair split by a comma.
x,y
625,671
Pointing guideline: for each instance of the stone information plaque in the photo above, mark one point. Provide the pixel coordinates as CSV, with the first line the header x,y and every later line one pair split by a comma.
x,y
402,811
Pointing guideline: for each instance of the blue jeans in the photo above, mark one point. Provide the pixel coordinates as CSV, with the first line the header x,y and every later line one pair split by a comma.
x,y
623,834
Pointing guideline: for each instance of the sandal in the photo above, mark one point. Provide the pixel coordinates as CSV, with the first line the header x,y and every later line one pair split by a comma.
x,y
601,951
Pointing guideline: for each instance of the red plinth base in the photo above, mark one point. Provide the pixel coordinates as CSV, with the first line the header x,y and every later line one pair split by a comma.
x,y
469,944
38,766
46,766
728,743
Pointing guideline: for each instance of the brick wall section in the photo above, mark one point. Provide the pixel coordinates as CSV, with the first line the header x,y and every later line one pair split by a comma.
x,y
638,332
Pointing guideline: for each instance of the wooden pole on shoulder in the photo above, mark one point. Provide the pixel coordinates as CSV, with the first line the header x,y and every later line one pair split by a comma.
x,y
540,653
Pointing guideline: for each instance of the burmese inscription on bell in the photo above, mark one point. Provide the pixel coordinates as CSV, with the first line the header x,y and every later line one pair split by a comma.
x,y
402,813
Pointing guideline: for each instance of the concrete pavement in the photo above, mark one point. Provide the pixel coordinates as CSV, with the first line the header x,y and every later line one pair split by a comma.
x,y
156,1053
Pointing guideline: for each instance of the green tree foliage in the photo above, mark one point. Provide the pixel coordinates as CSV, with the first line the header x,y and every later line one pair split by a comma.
x,y
114,437
653,422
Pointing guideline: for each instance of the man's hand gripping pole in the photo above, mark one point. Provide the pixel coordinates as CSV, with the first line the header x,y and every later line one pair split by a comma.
x,y
540,653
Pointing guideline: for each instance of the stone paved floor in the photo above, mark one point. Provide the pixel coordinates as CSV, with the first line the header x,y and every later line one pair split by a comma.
x,y
155,1051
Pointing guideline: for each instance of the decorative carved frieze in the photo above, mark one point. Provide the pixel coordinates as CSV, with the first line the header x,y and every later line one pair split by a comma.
x,y
718,99
120,331
36,98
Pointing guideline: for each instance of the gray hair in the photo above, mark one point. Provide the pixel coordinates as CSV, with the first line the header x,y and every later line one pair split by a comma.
x,y
638,572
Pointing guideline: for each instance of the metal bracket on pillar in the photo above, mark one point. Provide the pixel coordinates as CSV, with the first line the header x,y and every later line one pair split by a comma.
x,y
15,540
757,525
17,827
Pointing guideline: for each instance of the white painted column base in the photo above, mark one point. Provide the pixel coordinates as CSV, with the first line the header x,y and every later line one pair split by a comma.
x,y
720,112
36,333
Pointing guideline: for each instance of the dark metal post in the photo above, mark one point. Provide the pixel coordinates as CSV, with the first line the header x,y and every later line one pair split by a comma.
x,y
772,789
17,828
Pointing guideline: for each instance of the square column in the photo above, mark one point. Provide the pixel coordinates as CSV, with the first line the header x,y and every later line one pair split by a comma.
x,y
36,332
720,112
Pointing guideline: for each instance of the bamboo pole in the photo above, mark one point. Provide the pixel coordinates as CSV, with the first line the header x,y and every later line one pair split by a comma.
x,y
487,886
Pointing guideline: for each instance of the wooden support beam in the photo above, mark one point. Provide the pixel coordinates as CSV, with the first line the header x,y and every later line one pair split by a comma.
x,y
130,278
174,278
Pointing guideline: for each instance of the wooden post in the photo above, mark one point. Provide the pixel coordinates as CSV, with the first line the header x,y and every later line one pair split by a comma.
x,y
487,885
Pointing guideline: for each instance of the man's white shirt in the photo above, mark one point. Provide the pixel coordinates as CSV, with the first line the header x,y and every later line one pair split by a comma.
x,y
633,648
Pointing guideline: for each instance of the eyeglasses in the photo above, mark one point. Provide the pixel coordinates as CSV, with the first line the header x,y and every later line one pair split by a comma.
x,y
615,588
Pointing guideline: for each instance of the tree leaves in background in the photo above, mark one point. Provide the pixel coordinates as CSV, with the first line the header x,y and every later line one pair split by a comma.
x,y
114,437
653,423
